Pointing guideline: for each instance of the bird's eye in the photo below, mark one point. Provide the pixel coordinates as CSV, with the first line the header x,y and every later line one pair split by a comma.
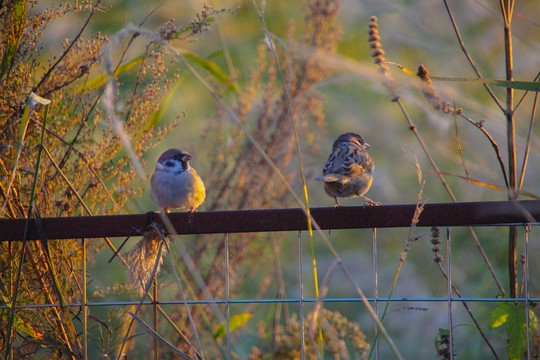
x,y
169,163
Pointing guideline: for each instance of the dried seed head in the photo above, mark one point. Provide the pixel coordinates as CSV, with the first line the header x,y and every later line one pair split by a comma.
x,y
423,73
144,255
377,53
374,43
168,30
431,95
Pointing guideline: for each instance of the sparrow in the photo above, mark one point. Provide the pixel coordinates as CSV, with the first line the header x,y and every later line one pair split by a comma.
x,y
348,172
175,184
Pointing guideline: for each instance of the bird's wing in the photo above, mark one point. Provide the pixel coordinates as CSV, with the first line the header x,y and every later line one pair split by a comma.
x,y
348,160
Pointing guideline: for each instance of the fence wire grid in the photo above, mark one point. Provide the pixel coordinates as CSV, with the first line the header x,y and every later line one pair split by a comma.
x,y
450,219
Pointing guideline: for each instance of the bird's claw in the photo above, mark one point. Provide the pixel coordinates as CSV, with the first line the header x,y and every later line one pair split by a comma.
x,y
370,202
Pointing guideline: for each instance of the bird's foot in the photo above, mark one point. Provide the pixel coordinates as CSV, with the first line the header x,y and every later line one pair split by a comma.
x,y
369,202
338,204
190,214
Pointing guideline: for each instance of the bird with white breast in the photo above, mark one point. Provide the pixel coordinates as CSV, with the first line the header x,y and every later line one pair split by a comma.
x,y
348,172
175,184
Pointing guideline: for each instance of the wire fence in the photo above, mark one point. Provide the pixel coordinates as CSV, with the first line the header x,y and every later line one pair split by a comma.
x,y
448,217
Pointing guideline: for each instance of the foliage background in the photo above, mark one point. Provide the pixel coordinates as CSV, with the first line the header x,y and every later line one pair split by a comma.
x,y
413,33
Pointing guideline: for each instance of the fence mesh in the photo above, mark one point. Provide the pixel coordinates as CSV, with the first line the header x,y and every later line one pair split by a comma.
x,y
432,308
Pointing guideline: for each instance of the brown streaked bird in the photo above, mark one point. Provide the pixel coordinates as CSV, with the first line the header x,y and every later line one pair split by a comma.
x,y
175,184
348,172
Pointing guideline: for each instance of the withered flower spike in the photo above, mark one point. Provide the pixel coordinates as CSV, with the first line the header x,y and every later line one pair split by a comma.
x,y
431,95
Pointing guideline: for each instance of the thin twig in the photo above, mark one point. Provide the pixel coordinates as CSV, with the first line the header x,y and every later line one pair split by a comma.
x,y
287,89
76,193
507,7
466,53
129,28
413,128
188,312
388,83
82,123
31,104
460,150
72,42
469,312
480,126
528,146
143,297
82,157
525,94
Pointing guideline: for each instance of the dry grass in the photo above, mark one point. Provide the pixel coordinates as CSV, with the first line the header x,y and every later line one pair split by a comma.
x,y
87,171
88,161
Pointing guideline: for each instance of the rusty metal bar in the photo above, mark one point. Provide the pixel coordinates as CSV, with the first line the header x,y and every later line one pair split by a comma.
x,y
354,217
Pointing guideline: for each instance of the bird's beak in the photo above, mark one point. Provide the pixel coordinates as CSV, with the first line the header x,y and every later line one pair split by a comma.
x,y
367,146
187,157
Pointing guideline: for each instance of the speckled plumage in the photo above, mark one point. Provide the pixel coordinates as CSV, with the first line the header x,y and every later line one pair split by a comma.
x,y
348,172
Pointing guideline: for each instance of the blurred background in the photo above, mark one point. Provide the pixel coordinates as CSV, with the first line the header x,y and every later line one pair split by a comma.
x,y
335,87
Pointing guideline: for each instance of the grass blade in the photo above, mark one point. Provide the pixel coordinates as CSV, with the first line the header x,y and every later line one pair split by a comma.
x,y
100,80
31,103
211,67
486,185
511,84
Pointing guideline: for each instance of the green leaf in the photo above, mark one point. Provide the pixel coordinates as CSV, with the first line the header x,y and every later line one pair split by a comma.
x,y
519,85
516,327
516,331
486,185
499,315
156,116
234,322
20,325
26,328
102,79
441,338
213,69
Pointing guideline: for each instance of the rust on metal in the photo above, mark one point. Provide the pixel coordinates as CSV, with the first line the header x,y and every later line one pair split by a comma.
x,y
354,217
